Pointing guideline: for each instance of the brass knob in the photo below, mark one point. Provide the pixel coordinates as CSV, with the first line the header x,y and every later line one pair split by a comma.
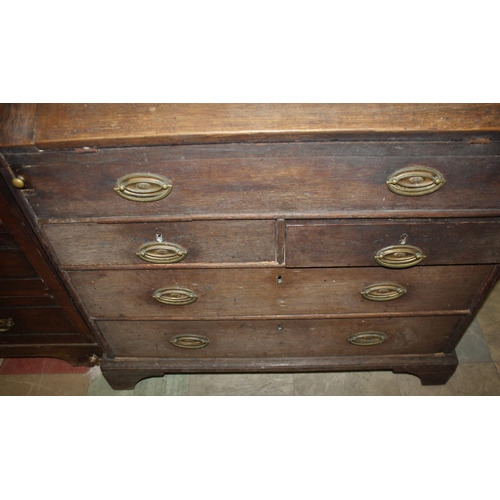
x,y
19,182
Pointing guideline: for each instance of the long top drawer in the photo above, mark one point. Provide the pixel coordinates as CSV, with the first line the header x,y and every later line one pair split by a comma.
x,y
270,180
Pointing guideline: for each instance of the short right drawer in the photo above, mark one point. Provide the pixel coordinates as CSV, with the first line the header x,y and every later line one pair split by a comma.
x,y
392,243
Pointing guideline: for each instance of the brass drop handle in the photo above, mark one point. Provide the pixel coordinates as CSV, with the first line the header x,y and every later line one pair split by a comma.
x,y
190,341
19,182
175,296
143,187
161,252
368,338
415,180
6,324
383,292
399,256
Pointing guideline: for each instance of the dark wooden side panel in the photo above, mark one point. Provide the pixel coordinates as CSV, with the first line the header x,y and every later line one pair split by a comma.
x,y
18,226
355,243
17,126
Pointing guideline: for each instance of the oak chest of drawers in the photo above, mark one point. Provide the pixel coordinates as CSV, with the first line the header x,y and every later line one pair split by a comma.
x,y
226,238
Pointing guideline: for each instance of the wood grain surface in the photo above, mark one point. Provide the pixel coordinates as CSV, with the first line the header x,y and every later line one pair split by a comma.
x,y
72,125
272,338
276,292
254,180
354,243
17,126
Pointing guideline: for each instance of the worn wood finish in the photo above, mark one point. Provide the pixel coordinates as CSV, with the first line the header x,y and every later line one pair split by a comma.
x,y
281,208
275,338
269,292
124,373
72,125
266,183
354,243
17,126
232,242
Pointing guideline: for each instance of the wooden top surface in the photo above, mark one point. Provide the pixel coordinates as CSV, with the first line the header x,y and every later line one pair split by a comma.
x,y
106,125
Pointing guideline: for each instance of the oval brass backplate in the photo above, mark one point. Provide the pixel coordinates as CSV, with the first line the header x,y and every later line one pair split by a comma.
x,y
399,256
368,338
190,341
143,187
161,252
175,296
382,292
415,180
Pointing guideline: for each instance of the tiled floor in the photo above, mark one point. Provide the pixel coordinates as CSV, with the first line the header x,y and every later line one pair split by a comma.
x,y
477,374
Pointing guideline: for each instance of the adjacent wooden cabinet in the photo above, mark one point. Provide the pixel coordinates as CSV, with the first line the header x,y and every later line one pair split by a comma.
x,y
249,238
37,315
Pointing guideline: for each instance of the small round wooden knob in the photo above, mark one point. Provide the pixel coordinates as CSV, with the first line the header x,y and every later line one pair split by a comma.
x,y
18,182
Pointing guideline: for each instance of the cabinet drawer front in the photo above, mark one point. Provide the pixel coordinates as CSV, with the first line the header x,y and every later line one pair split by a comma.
x,y
36,320
263,179
33,287
210,293
201,242
13,263
278,338
356,243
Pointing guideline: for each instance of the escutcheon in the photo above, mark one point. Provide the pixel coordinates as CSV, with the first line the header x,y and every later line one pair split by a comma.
x,y
382,292
143,187
415,180
161,252
399,256
368,338
190,341
175,296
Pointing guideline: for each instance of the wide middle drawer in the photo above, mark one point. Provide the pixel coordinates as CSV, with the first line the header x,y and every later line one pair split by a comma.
x,y
123,294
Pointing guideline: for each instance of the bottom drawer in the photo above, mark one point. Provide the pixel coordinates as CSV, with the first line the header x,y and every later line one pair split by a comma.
x,y
275,338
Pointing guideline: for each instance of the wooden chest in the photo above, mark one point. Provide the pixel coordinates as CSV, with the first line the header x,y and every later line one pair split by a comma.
x,y
227,238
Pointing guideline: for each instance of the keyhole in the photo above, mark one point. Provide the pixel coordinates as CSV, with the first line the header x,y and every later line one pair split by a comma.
x,y
402,240
279,280
159,238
